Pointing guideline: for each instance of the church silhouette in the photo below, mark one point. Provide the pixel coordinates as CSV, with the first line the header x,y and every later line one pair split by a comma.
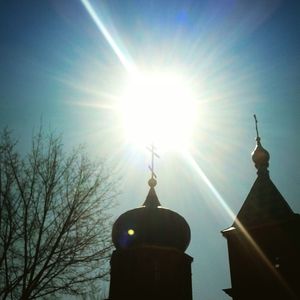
x,y
150,262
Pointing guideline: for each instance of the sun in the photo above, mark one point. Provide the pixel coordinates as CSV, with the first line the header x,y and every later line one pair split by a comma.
x,y
158,108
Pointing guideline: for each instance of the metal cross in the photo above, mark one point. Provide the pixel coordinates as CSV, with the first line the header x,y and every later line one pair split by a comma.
x,y
153,155
256,127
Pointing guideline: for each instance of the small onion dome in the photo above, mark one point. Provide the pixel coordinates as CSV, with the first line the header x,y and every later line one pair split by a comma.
x,y
260,156
151,225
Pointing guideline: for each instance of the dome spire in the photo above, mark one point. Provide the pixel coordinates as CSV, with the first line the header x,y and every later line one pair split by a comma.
x,y
256,127
152,199
260,156
152,181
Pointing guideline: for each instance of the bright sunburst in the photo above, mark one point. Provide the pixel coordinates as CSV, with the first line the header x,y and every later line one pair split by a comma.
x,y
158,108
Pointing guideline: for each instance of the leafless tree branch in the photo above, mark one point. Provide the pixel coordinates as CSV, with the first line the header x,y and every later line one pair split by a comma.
x,y
54,219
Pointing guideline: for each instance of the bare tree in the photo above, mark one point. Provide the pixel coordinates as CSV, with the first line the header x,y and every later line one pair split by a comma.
x,y
54,222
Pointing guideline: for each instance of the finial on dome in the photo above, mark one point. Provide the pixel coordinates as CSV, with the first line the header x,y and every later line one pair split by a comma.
x,y
260,156
256,127
152,181
152,200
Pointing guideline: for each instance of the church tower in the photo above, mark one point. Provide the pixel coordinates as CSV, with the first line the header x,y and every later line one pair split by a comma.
x,y
264,241
150,261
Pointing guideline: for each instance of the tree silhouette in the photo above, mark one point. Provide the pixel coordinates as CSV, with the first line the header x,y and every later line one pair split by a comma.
x,y
54,221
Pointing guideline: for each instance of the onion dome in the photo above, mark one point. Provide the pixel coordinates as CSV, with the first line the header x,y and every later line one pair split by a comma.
x,y
260,156
151,225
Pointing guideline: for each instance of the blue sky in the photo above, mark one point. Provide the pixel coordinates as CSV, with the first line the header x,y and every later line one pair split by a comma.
x,y
243,57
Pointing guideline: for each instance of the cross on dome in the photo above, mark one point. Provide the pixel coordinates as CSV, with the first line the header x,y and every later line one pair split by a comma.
x,y
256,127
152,181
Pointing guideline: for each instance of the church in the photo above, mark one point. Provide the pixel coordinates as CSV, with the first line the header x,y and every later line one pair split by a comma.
x,y
149,260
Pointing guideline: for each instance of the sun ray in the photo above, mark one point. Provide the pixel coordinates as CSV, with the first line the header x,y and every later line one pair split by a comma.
x,y
94,104
191,161
126,62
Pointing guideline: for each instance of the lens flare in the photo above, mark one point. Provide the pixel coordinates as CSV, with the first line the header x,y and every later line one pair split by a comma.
x,y
130,232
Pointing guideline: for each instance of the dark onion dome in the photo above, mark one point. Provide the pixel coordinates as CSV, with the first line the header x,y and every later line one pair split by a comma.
x,y
151,225
260,156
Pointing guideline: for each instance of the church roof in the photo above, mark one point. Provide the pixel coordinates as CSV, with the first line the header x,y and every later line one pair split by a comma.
x,y
264,204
